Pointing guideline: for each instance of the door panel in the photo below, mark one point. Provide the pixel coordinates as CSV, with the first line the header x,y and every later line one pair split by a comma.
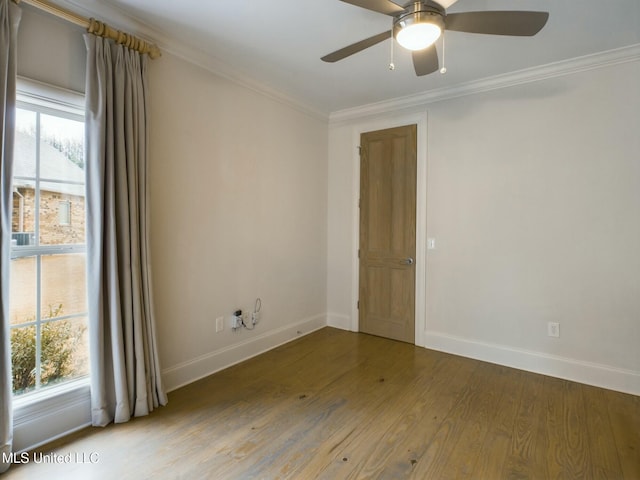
x,y
387,232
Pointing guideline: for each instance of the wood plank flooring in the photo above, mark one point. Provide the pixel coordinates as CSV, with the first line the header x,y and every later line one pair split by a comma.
x,y
340,405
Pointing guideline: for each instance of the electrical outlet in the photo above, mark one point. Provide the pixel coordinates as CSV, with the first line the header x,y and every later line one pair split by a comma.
x,y
553,329
236,320
255,317
219,324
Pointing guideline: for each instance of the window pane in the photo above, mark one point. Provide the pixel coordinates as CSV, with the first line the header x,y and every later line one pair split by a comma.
x,y
23,290
25,145
23,359
52,230
64,350
61,149
62,174
63,285
23,213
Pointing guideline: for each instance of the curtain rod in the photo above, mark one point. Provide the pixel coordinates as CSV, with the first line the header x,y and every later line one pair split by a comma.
x,y
97,27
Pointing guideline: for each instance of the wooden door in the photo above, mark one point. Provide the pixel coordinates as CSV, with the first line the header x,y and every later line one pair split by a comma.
x,y
388,161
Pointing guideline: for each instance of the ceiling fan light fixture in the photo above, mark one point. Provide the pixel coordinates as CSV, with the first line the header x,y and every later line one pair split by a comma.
x,y
418,36
419,29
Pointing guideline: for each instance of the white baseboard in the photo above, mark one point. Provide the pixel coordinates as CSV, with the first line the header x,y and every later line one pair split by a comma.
x,y
205,365
603,376
337,320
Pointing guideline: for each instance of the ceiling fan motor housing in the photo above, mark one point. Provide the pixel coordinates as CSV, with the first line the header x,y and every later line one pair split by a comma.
x,y
419,12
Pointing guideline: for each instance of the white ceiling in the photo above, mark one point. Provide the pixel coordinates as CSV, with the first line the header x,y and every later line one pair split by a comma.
x,y
278,43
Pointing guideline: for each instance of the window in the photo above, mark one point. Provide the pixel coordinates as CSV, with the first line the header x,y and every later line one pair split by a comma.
x,y
48,306
64,212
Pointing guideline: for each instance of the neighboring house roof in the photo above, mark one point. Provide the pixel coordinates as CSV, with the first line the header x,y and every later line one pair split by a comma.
x,y
54,165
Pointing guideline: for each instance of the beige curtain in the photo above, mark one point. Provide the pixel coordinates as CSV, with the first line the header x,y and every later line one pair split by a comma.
x,y
9,21
125,371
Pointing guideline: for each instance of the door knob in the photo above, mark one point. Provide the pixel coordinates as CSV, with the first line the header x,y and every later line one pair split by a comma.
x,y
409,261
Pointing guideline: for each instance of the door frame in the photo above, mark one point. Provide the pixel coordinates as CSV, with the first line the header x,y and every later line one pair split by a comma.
x,y
419,119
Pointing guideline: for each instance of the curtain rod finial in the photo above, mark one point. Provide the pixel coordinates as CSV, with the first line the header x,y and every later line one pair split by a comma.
x,y
154,52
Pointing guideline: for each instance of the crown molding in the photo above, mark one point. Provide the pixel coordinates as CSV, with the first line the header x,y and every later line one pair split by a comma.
x,y
120,19
520,77
171,45
224,70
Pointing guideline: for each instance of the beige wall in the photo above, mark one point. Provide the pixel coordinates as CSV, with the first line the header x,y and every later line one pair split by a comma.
x,y
535,201
238,203
533,198
238,195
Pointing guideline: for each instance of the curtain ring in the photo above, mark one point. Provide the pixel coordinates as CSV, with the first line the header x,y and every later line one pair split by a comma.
x,y
92,25
96,27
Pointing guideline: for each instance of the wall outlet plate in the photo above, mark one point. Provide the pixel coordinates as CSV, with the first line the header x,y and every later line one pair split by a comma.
x,y
553,329
219,324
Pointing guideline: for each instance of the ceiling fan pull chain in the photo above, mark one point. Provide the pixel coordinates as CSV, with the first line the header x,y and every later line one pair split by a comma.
x,y
443,70
391,64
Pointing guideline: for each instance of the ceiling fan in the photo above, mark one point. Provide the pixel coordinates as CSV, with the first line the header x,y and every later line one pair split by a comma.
x,y
418,24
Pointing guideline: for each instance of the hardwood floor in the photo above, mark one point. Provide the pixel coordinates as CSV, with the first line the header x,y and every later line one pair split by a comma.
x,y
340,405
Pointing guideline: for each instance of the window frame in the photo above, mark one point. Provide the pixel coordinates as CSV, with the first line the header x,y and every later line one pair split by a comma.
x,y
48,99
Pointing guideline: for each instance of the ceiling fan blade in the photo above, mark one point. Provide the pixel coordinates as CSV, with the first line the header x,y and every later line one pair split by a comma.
x,y
356,47
516,23
381,6
425,61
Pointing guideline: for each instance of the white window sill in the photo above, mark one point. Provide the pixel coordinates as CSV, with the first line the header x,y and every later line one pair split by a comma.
x,y
46,415
46,401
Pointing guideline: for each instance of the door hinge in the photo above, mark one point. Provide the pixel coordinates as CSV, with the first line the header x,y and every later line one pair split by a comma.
x,y
359,150
358,305
358,253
